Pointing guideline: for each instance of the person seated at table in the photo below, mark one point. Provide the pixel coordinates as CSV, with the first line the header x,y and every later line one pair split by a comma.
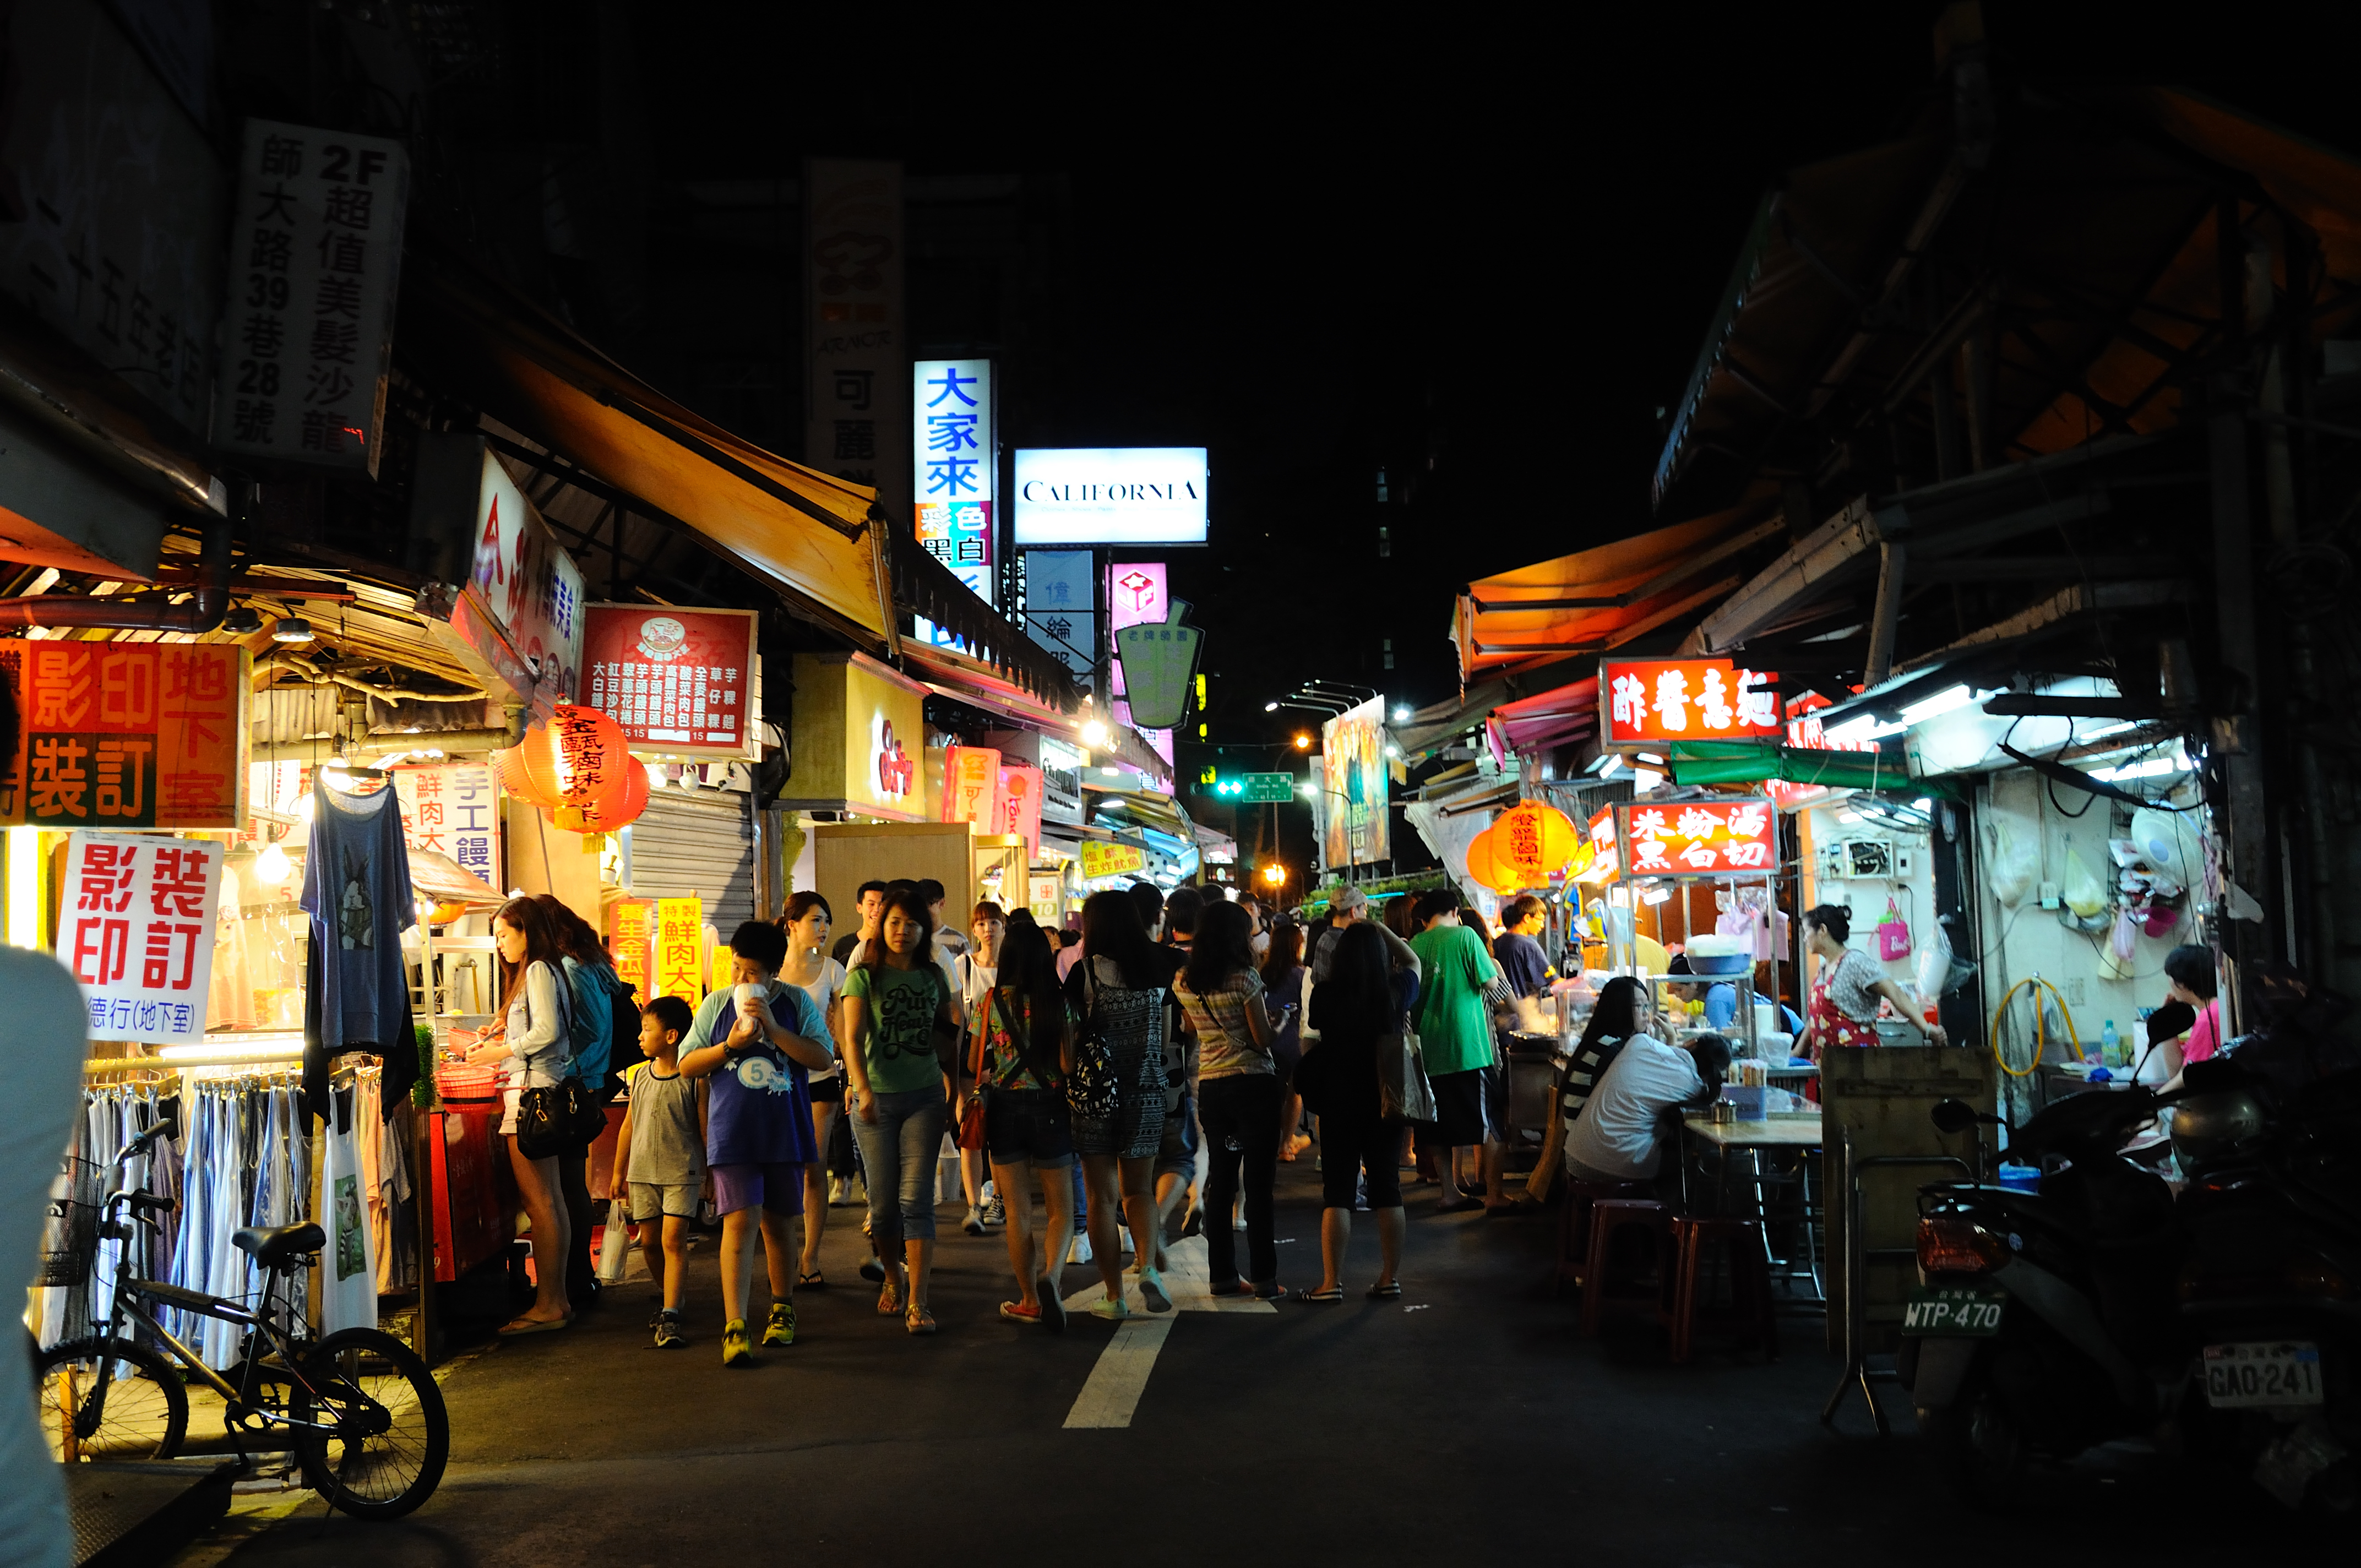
x,y
1633,1115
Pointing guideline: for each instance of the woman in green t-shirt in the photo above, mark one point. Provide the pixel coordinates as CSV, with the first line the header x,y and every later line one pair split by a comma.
x,y
898,1013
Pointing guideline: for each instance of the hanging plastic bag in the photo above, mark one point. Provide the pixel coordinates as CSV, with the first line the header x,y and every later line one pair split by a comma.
x,y
2082,893
2115,953
2015,865
613,1249
1893,933
1935,962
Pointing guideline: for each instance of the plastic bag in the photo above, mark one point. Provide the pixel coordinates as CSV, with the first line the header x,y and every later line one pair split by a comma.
x,y
1935,961
2015,865
2082,893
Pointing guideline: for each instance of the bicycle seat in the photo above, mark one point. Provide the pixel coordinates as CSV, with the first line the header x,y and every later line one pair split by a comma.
x,y
276,1246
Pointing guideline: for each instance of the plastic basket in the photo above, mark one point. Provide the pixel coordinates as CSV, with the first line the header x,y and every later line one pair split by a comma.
x,y
465,1083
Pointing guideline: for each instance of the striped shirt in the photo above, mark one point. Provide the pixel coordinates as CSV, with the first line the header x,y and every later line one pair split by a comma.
x,y
1582,1075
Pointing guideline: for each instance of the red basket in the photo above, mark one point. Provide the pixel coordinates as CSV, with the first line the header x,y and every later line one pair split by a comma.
x,y
460,1081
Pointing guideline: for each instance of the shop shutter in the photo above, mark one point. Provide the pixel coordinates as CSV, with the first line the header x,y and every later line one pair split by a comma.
x,y
697,843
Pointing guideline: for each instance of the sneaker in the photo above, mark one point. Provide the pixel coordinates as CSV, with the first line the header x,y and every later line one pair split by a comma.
x,y
1080,1252
840,1195
737,1350
995,1213
975,1225
667,1328
656,1318
1114,1309
781,1329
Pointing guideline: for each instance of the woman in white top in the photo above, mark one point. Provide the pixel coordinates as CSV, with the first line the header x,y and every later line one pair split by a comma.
x,y
530,1042
805,920
977,970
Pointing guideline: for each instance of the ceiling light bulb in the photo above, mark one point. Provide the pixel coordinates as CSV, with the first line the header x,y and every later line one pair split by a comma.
x,y
271,866
1094,733
1270,708
290,629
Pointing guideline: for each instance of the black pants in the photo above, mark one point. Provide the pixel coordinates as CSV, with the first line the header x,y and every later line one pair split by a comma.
x,y
574,1191
1351,1143
1240,1116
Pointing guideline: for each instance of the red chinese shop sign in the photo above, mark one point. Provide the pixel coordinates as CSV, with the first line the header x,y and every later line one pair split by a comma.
x,y
685,682
116,735
1686,699
1700,838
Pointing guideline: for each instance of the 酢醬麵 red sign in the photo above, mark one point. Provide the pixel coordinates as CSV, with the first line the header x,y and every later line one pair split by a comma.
x,y
1686,699
1701,838
679,681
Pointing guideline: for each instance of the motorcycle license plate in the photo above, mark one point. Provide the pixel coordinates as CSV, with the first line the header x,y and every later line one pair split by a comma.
x,y
2274,1373
1953,1312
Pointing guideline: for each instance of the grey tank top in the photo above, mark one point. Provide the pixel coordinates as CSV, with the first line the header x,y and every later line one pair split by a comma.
x,y
667,1147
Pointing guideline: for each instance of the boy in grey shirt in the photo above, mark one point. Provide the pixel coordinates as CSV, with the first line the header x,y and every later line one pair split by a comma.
x,y
660,1156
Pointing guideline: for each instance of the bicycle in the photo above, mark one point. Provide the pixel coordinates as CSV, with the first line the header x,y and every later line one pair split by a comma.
x,y
361,1411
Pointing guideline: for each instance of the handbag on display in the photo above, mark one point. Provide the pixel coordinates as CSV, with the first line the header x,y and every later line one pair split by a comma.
x,y
1092,1090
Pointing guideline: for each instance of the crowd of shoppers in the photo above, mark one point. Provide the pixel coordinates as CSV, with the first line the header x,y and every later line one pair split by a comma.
x,y
1155,1064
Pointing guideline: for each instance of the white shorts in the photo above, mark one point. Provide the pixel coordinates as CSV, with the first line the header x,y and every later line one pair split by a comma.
x,y
509,1098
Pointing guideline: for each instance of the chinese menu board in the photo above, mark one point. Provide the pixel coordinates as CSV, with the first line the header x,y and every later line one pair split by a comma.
x,y
1687,699
680,936
1101,859
451,810
307,324
127,735
1702,837
136,926
680,681
631,925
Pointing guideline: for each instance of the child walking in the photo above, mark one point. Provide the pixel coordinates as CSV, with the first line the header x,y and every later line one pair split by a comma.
x,y
660,1156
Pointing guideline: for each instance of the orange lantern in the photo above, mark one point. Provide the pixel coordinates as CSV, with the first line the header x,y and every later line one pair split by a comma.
x,y
1533,843
618,807
575,760
1484,866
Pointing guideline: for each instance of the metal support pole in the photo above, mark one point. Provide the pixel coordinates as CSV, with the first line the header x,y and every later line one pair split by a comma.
x,y
1886,621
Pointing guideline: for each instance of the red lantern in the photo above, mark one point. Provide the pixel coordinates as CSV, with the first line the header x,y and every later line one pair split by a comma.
x,y
575,760
618,807
1533,843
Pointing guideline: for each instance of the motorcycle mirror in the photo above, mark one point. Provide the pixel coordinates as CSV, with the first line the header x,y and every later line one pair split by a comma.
x,y
1953,1115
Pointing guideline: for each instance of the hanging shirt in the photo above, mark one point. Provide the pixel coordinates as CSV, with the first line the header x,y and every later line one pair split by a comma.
x,y
348,1259
357,890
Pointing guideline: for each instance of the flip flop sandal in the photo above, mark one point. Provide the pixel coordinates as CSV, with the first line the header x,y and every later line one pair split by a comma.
x,y
889,1300
1323,1298
919,1321
811,1281
521,1327
1388,1292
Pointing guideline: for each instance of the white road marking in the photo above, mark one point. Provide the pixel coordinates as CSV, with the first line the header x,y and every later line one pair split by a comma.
x,y
1112,1390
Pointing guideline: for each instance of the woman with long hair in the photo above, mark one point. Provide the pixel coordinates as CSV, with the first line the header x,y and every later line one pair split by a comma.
x,y
1024,1044
531,1043
1282,985
1623,1009
1239,1096
1118,990
588,967
1363,999
899,1017
973,972
806,919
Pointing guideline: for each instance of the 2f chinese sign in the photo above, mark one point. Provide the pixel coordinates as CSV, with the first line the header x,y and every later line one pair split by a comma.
x,y
307,324
142,735
1686,699
1701,838
136,926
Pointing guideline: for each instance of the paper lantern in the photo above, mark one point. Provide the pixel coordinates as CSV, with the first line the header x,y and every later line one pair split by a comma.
x,y
575,761
618,807
1484,865
1533,843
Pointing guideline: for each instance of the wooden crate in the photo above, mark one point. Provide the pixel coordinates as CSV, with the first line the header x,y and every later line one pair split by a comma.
x,y
1883,1098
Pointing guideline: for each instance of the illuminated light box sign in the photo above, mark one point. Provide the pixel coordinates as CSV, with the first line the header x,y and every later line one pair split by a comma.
x,y
1686,699
1702,837
1076,496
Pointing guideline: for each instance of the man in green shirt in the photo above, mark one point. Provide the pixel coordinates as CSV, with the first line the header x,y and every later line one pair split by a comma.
x,y
1454,1034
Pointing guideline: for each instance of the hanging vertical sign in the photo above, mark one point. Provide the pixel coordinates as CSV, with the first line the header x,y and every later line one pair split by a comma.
x,y
1061,606
632,943
307,323
679,963
1048,902
136,926
972,787
856,423
1020,805
447,810
955,462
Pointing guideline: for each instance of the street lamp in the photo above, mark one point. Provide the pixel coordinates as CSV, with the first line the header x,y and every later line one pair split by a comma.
x,y
1095,734
1274,874
1303,741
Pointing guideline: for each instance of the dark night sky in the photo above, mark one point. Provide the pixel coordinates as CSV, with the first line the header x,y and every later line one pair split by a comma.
x,y
1455,241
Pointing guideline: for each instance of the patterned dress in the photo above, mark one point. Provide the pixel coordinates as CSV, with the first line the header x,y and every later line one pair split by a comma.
x,y
1132,1024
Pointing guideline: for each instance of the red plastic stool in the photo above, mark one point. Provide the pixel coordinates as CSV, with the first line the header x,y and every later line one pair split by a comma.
x,y
1750,1283
1574,1226
1609,1217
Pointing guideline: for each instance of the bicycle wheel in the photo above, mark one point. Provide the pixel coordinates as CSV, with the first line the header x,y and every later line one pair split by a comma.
x,y
392,1436
140,1411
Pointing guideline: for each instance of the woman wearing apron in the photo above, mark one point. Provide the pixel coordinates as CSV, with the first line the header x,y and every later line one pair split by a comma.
x,y
1842,1010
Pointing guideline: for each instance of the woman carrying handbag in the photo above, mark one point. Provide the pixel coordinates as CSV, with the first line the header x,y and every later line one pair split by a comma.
x,y
1017,1115
1360,1008
530,1043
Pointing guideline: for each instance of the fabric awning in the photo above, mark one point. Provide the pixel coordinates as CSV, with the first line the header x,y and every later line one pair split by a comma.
x,y
1598,599
1549,718
806,534
1755,762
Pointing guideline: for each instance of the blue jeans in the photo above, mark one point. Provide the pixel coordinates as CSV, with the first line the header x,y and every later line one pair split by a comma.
x,y
897,1158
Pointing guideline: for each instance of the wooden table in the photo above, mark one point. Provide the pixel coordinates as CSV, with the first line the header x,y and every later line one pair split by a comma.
x,y
1777,1132
1725,1139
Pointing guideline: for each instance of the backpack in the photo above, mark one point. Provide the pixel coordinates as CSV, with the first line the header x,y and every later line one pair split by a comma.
x,y
623,1034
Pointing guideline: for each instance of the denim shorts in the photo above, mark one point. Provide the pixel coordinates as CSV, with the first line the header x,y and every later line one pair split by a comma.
x,y
1178,1153
1027,1125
